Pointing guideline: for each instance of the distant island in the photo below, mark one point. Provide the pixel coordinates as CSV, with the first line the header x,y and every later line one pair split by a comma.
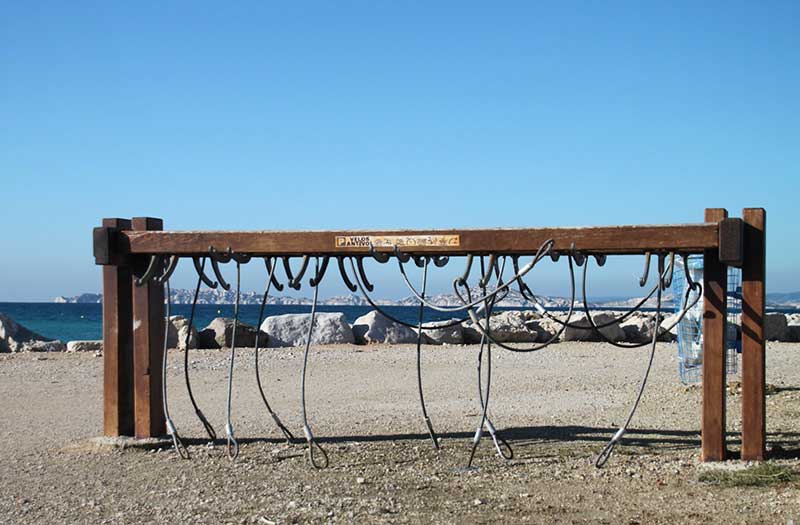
x,y
513,299
219,296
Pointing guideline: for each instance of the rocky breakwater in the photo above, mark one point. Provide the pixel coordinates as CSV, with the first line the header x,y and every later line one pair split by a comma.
x,y
16,338
292,329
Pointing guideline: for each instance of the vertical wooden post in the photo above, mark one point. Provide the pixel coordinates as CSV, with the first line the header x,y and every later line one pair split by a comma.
x,y
715,281
117,341
148,336
754,423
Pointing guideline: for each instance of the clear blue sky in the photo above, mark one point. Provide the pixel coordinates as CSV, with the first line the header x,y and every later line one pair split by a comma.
x,y
390,114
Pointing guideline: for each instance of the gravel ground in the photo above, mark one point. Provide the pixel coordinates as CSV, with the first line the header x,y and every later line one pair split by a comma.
x,y
557,408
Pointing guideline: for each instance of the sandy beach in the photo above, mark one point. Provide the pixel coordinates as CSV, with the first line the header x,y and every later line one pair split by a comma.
x,y
556,407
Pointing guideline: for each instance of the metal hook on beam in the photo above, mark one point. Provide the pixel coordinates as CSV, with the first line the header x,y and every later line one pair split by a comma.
x,y
294,282
401,256
440,261
643,279
268,262
381,257
217,257
462,281
320,273
155,264
485,278
368,285
171,265
666,280
347,282
199,268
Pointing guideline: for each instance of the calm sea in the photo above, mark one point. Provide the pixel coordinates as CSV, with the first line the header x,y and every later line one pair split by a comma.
x,y
70,322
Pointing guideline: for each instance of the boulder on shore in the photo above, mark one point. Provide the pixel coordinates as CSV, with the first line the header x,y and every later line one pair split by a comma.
x,y
793,328
179,328
775,327
85,346
510,326
219,334
438,333
374,327
583,330
292,329
16,338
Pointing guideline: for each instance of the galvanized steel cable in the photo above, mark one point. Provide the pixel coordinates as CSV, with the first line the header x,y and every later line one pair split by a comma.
x,y
199,266
425,416
180,447
270,278
312,444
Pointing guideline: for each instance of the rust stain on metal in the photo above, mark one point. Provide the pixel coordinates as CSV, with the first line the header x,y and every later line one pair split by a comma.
x,y
390,241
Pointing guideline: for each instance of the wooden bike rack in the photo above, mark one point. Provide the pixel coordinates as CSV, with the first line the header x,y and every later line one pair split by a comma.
x,y
133,317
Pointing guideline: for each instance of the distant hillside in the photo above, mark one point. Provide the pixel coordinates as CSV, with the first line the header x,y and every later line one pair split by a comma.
x,y
784,300
219,296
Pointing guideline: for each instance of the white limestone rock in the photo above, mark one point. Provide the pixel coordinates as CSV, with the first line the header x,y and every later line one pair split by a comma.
x,y
377,328
439,334
510,326
178,329
292,329
85,346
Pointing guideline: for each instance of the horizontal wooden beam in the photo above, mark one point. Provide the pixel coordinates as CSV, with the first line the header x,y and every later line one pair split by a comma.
x,y
685,238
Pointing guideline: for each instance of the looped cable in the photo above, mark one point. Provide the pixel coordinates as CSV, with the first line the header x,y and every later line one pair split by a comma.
x,y
312,446
177,442
504,450
306,428
605,454
232,446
